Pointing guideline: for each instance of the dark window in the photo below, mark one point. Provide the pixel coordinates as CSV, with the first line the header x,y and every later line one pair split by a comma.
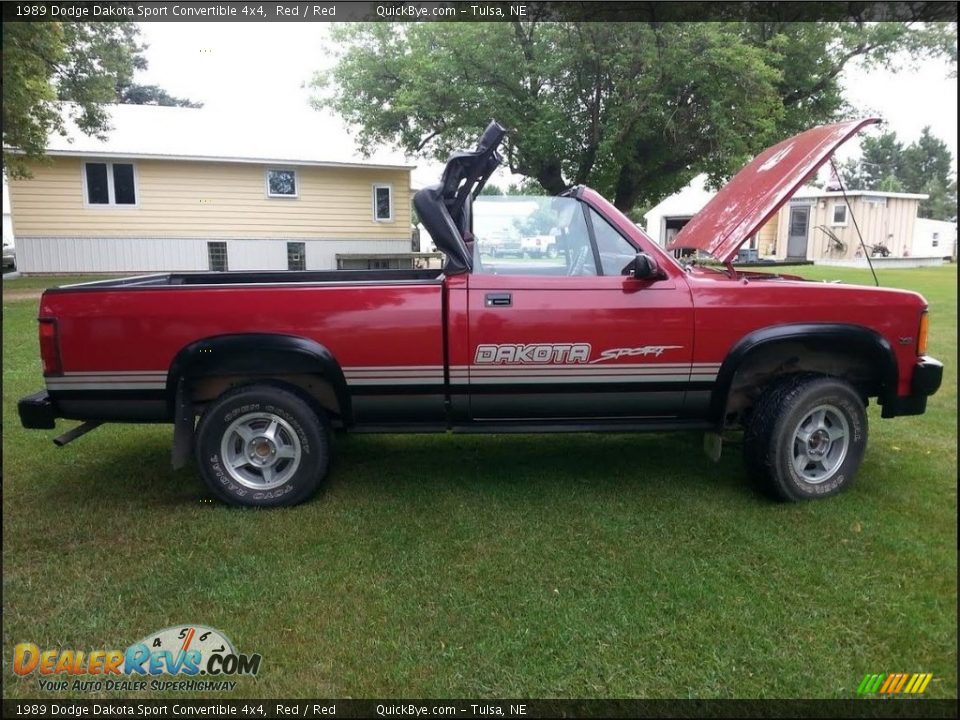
x,y
281,183
110,183
98,193
388,264
123,191
839,214
798,222
217,255
382,203
296,256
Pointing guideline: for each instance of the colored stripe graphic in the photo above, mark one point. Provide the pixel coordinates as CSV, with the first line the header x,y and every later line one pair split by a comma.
x,y
894,683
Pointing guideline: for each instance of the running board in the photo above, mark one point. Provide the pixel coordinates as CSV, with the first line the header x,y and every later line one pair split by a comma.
x,y
79,431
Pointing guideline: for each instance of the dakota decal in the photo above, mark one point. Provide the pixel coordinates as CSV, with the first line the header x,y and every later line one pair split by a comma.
x,y
544,354
559,353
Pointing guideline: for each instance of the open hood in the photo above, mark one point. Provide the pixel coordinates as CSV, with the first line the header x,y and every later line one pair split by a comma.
x,y
758,191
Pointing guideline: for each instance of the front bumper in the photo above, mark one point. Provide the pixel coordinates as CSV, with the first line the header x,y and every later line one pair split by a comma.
x,y
926,379
37,411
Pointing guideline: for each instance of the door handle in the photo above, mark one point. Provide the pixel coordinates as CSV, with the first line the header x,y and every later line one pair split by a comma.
x,y
498,300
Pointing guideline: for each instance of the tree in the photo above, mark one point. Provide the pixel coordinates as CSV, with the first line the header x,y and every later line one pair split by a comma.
x,y
492,189
134,94
923,166
634,109
53,71
926,167
881,158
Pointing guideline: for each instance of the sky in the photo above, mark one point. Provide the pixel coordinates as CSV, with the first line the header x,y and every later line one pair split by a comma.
x,y
262,70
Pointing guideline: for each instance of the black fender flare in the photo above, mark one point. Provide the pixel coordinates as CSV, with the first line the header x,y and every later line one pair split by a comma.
x,y
258,354
828,336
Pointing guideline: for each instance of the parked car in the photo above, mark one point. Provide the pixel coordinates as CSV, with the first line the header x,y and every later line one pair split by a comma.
x,y
539,246
619,336
9,255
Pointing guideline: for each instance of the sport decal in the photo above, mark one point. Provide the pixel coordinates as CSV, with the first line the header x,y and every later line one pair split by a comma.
x,y
646,350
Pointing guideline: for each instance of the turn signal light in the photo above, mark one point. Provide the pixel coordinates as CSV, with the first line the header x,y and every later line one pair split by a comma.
x,y
922,335
50,347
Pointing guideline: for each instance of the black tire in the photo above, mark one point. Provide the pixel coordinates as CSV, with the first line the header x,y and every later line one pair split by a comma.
x,y
299,430
773,448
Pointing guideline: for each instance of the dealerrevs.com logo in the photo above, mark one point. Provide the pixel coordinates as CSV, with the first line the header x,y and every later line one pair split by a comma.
x,y
189,651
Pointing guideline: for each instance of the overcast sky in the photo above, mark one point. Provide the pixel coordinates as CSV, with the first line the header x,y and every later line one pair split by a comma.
x,y
262,73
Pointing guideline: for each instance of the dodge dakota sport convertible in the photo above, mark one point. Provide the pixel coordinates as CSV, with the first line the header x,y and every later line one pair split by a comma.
x,y
608,333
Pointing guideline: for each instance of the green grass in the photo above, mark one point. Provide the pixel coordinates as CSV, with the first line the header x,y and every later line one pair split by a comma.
x,y
500,566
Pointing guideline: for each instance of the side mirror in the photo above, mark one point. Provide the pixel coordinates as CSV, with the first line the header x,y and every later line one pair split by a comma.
x,y
643,267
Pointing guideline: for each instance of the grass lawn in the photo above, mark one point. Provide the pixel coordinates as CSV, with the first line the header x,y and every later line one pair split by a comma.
x,y
499,566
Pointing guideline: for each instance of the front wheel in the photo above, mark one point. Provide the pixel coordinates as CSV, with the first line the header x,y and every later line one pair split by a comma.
x,y
806,437
262,446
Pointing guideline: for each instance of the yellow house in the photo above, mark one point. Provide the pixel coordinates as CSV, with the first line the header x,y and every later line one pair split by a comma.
x,y
181,189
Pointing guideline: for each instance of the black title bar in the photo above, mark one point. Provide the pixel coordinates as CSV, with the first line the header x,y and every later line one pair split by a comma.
x,y
45,11
403,709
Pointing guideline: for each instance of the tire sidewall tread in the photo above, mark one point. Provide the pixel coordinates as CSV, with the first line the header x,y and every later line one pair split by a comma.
x,y
768,441
312,430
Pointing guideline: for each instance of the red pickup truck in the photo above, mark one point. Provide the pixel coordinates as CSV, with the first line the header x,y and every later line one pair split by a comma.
x,y
608,334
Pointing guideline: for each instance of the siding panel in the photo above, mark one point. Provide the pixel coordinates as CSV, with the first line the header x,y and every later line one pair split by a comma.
x,y
126,254
200,199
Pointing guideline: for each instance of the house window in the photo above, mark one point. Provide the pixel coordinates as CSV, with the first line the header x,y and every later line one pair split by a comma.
x,y
383,264
109,184
296,256
282,183
839,214
383,203
217,256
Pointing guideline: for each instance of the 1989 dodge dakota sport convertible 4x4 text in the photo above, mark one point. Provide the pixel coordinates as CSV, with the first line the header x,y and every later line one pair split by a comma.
x,y
607,333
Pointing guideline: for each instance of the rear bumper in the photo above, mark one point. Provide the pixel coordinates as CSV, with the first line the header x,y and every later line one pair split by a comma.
x,y
925,381
37,411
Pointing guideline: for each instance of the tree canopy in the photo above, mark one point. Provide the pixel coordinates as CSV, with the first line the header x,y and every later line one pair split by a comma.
x,y
923,166
635,110
53,69
135,94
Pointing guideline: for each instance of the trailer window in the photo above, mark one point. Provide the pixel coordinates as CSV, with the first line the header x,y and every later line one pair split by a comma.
x,y
296,256
217,256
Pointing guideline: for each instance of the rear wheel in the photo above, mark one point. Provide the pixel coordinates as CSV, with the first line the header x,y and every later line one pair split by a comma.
x,y
262,446
806,437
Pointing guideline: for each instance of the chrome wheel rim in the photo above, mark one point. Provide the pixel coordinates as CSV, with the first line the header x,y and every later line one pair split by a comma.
x,y
260,450
820,444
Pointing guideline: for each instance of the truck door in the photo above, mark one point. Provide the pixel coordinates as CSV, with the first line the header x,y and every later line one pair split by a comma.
x,y
559,332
